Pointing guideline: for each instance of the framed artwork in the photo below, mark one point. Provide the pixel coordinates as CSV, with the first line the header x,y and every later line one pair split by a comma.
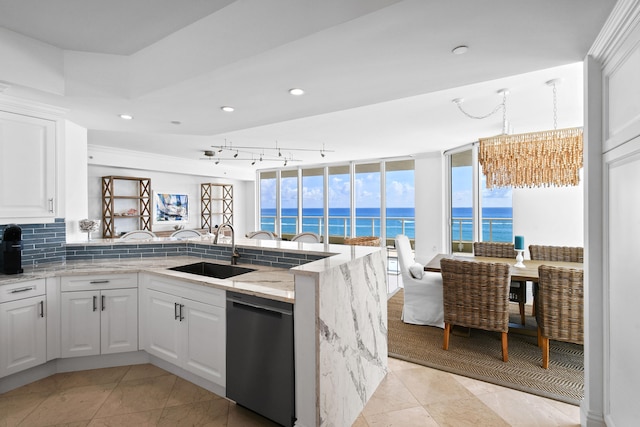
x,y
170,208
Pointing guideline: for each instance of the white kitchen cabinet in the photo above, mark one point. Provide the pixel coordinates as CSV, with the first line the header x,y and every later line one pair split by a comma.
x,y
99,315
23,328
184,325
27,192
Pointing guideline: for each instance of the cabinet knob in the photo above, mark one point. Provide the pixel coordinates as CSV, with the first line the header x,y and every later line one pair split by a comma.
x,y
51,205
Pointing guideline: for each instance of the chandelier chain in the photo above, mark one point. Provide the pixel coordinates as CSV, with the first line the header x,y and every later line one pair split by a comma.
x,y
555,107
504,112
495,110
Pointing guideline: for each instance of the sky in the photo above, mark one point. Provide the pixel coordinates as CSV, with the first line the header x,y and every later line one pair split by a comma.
x,y
400,191
462,193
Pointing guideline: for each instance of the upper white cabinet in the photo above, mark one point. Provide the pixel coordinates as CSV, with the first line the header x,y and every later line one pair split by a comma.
x,y
27,166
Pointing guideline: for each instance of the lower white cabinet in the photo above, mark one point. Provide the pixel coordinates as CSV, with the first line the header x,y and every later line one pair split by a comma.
x,y
23,326
98,315
184,325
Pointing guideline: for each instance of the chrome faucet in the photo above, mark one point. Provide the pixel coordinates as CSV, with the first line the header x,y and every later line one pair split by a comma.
x,y
234,253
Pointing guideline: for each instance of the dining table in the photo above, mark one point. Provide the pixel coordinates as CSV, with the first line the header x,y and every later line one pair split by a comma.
x,y
528,273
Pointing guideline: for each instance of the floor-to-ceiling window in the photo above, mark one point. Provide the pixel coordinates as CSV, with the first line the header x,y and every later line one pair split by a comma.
x,y
339,201
476,212
268,200
400,199
289,202
367,199
313,200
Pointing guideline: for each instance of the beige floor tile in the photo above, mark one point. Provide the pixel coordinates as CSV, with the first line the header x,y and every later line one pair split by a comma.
x,y
241,417
137,419
391,395
522,409
573,411
69,380
83,423
145,370
397,364
360,422
137,396
410,417
478,387
470,412
184,392
14,409
45,385
431,386
210,413
76,404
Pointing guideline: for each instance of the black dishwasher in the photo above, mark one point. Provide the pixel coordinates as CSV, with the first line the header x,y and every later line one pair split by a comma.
x,y
260,364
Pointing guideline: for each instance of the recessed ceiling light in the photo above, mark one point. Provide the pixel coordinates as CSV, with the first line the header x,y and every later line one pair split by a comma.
x,y
296,91
126,116
459,50
227,109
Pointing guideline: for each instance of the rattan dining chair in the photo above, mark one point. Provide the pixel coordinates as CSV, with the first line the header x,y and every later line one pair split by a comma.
x,y
476,295
557,253
560,307
517,290
553,253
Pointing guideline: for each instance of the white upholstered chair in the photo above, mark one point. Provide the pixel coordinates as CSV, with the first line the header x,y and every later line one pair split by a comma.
x,y
423,293
186,234
138,235
307,236
261,235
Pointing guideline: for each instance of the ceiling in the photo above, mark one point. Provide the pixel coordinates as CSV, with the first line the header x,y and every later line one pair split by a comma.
x,y
378,75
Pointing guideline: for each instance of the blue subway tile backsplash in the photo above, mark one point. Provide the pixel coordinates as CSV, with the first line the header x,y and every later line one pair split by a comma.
x,y
44,243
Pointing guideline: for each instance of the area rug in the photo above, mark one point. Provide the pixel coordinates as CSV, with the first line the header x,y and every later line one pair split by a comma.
x,y
477,354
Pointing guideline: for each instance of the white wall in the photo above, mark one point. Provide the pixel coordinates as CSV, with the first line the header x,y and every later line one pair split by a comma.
x,y
74,164
176,178
430,202
549,216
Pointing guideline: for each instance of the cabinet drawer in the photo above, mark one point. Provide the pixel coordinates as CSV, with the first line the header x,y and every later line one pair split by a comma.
x,y
21,290
98,281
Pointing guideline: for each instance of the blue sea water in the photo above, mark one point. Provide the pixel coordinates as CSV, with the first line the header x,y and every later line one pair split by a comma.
x,y
367,221
497,223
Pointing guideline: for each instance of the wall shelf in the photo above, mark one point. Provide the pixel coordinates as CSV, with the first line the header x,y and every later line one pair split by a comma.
x,y
135,193
216,205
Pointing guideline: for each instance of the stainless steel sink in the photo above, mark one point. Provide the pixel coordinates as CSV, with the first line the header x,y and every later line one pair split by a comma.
x,y
219,271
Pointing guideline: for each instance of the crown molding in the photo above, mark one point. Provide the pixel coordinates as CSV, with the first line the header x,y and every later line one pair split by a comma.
x,y
624,17
29,107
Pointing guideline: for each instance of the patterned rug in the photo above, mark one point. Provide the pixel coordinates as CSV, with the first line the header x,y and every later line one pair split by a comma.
x,y
478,355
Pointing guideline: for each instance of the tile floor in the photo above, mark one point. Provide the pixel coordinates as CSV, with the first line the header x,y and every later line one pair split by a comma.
x,y
144,395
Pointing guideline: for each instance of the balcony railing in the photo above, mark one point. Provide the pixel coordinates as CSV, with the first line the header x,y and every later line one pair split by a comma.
x,y
341,225
493,230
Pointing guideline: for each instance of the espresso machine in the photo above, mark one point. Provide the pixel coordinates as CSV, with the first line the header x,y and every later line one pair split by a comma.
x,y
11,250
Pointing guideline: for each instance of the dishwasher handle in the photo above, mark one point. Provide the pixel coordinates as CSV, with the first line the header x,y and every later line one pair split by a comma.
x,y
259,307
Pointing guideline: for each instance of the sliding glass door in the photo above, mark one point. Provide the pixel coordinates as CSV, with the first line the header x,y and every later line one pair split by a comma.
x,y
476,213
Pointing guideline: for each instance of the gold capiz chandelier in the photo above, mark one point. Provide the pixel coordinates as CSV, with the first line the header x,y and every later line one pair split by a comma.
x,y
537,159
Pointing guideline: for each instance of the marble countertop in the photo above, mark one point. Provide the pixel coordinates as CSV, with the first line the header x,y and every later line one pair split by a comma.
x,y
268,282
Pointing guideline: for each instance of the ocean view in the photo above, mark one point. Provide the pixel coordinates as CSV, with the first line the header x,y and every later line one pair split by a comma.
x,y
497,222
367,221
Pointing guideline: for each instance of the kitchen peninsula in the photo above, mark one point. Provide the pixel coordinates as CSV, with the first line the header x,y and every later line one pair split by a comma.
x,y
338,294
